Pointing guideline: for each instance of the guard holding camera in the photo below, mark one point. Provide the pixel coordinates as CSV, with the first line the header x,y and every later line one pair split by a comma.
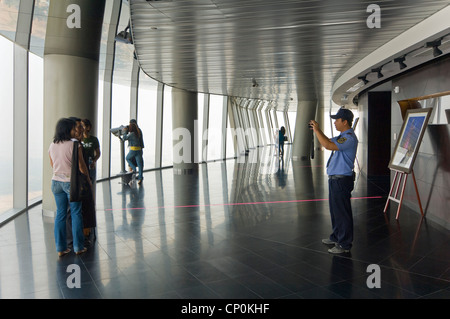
x,y
341,179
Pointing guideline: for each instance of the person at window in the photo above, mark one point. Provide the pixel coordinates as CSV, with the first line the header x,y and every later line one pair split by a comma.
x,y
133,121
60,154
141,139
281,138
340,179
134,157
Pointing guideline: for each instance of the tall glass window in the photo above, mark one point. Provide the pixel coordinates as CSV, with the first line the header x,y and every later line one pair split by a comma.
x,y
215,127
167,136
40,15
253,124
9,11
6,110
274,122
230,142
292,116
120,116
280,117
200,113
246,126
98,130
35,125
121,90
264,123
98,127
146,116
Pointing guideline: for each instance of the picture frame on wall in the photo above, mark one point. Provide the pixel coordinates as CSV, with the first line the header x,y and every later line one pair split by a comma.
x,y
409,139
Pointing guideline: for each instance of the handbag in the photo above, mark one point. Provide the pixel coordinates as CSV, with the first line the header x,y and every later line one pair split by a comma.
x,y
79,183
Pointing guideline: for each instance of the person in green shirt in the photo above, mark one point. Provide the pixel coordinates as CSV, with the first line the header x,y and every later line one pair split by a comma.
x,y
91,148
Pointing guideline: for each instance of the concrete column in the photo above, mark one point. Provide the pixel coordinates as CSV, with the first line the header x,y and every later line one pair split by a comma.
x,y
301,146
71,60
184,119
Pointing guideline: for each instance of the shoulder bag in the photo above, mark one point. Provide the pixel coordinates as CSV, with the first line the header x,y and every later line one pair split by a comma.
x,y
79,184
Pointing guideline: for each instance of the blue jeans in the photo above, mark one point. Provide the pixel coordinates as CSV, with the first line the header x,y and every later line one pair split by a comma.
x,y
61,191
281,148
133,158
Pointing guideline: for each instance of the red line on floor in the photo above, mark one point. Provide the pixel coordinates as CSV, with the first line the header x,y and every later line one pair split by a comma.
x,y
235,204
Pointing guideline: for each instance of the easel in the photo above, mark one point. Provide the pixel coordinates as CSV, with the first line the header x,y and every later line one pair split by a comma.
x,y
402,176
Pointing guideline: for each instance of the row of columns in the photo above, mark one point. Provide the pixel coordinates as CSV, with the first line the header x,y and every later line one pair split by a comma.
x,y
71,63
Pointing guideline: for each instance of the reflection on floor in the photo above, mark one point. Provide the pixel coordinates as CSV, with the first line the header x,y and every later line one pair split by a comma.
x,y
235,230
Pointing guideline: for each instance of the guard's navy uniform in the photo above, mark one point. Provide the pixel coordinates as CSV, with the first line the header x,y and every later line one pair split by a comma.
x,y
340,185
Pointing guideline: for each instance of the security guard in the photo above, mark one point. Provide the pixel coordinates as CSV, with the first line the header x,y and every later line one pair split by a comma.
x,y
341,179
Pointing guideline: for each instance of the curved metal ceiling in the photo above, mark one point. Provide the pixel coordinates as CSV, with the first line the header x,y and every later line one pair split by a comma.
x,y
282,51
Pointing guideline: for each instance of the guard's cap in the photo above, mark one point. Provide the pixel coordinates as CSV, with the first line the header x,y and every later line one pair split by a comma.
x,y
344,114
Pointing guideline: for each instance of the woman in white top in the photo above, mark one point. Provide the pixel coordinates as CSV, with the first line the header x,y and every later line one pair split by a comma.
x,y
60,152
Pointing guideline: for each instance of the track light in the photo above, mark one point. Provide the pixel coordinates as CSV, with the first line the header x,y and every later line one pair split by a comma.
x,y
124,36
401,62
434,45
363,78
436,51
378,70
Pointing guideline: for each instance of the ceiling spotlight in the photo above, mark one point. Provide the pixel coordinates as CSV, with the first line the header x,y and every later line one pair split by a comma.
x,y
436,51
401,62
378,70
434,45
363,78
254,83
124,36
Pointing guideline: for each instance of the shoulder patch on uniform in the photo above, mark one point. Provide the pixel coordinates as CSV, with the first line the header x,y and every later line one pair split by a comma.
x,y
341,140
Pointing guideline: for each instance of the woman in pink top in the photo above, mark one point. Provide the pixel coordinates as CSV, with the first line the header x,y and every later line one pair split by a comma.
x,y
60,152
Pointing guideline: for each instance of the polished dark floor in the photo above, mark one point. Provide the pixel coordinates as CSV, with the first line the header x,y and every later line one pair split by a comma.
x,y
248,230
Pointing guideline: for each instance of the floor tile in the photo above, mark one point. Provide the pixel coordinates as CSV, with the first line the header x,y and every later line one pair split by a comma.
x,y
232,231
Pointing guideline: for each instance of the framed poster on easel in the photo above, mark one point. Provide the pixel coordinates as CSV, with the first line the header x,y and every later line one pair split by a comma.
x,y
405,152
409,139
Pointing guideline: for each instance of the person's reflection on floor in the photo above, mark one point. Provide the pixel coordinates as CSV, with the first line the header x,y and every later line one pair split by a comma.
x,y
281,174
133,206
